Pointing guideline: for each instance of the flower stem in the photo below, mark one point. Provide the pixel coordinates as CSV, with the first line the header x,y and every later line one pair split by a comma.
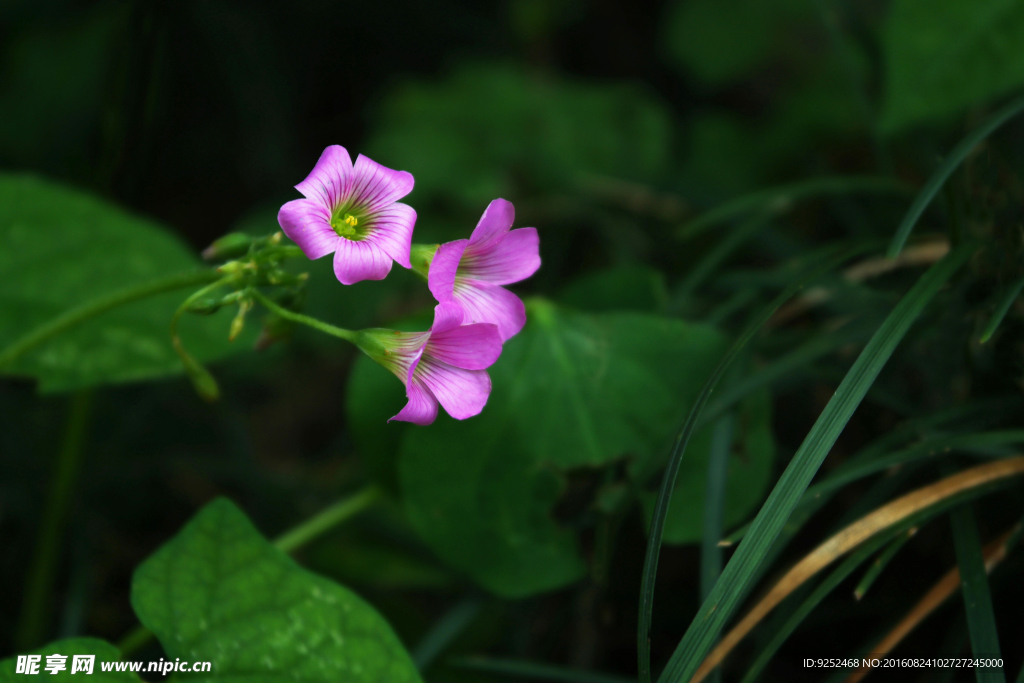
x,y
327,328
91,309
288,542
202,380
39,582
327,519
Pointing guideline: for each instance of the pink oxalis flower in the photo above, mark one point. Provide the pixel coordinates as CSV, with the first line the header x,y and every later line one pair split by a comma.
x,y
466,275
352,211
444,365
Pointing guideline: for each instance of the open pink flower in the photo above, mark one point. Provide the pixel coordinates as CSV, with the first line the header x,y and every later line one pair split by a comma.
x,y
466,275
445,365
352,211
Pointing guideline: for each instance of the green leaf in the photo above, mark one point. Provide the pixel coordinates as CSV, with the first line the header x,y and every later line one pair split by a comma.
x,y
104,652
220,592
61,248
488,130
731,585
482,500
571,390
621,288
945,56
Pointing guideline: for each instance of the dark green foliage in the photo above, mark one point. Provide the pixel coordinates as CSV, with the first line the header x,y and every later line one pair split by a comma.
x,y
220,592
60,248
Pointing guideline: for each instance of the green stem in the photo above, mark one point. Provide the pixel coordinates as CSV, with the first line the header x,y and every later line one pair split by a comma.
x,y
202,380
327,328
327,519
39,583
73,317
288,542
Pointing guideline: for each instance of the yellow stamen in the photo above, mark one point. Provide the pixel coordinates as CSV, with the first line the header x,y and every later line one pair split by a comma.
x,y
351,220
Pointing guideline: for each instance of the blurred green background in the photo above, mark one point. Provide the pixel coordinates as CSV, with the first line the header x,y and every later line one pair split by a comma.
x,y
610,125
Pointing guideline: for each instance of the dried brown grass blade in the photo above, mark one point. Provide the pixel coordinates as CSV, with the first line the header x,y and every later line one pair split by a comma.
x,y
994,553
852,536
923,254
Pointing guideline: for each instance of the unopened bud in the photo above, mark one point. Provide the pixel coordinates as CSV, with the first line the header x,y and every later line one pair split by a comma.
x,y
203,382
239,322
421,256
231,245
275,329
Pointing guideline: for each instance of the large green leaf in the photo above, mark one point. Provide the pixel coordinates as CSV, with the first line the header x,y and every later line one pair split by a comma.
x,y
220,592
946,55
571,391
104,653
493,131
482,500
60,248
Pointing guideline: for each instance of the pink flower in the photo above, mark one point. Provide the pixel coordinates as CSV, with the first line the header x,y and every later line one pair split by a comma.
x,y
445,365
466,275
352,211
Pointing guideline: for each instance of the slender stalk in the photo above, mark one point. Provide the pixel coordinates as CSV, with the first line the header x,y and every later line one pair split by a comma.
x,y
327,328
288,542
327,519
204,383
91,309
39,582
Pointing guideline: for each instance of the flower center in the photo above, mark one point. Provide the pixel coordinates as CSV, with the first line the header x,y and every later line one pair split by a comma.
x,y
346,224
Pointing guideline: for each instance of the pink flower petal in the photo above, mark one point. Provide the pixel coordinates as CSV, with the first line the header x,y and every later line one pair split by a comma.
x,y
421,408
483,302
392,232
441,278
513,258
446,316
470,347
330,181
358,261
463,393
496,221
307,223
375,186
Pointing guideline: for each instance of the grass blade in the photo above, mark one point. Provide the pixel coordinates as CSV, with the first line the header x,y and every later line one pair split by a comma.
x,y
776,200
899,515
994,553
817,347
711,617
955,158
707,265
881,562
981,620
824,264
714,504
447,629
848,566
1004,305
